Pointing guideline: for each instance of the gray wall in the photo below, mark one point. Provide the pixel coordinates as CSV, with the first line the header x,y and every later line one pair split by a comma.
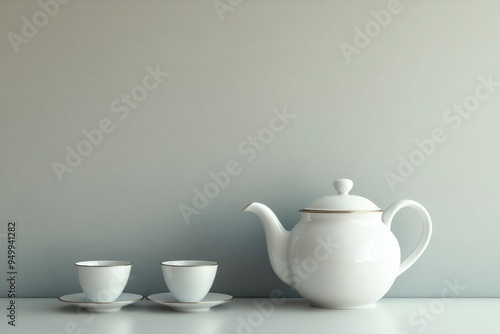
x,y
357,106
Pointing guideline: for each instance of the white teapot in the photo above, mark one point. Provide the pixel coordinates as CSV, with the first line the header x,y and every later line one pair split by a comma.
x,y
342,253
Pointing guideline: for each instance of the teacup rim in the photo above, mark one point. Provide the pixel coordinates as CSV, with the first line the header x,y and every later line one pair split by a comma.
x,y
189,263
102,263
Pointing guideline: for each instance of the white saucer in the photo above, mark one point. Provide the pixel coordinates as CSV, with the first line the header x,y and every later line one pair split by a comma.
x,y
79,299
211,299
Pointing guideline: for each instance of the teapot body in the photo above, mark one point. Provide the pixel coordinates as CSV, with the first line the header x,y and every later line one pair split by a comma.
x,y
342,260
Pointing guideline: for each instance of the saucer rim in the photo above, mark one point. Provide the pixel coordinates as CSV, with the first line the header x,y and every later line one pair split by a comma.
x,y
89,302
201,302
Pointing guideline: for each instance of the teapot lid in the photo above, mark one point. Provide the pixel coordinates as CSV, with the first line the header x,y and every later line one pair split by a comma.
x,y
343,202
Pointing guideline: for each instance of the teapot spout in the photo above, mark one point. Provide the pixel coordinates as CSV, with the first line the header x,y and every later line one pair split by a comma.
x,y
277,239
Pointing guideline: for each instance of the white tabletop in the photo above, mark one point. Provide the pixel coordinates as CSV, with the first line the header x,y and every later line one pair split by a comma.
x,y
249,316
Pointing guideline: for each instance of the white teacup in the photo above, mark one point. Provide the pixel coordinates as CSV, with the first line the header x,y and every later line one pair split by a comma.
x,y
189,280
103,281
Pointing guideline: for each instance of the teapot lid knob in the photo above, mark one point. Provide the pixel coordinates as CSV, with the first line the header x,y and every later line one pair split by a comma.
x,y
343,186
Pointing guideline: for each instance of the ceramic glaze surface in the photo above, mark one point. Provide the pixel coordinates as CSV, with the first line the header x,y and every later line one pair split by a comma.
x,y
189,280
345,261
342,253
103,281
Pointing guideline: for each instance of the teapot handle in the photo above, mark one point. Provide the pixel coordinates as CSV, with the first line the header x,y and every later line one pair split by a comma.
x,y
389,214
